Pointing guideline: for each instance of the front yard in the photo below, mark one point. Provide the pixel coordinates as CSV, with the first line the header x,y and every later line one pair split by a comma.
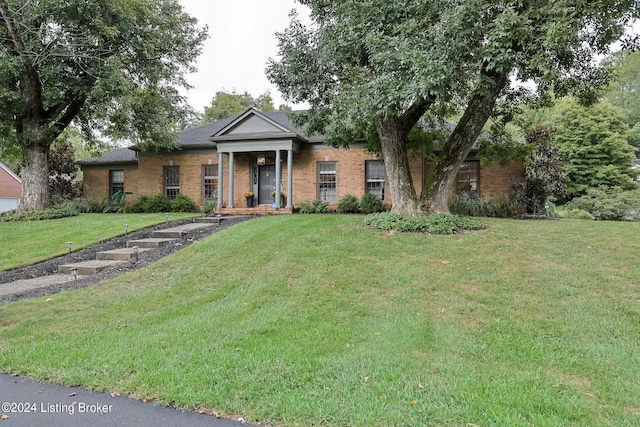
x,y
317,320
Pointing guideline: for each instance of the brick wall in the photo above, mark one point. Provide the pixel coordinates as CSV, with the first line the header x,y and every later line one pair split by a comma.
x,y
9,187
148,178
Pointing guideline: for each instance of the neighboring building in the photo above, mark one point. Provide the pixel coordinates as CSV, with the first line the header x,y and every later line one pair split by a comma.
x,y
225,159
10,189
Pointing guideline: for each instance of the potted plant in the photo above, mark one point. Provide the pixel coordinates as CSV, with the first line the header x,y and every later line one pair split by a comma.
x,y
249,196
283,197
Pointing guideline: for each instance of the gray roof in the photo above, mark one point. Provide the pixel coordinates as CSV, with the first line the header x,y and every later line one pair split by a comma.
x,y
189,138
122,155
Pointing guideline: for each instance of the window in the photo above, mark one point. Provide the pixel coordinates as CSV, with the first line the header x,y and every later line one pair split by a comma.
x,y
209,182
116,182
375,178
171,181
468,178
327,182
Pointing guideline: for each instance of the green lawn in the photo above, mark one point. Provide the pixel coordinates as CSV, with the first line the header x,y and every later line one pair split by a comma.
x,y
315,320
28,242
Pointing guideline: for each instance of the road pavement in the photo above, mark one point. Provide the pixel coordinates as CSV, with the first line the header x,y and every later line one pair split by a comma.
x,y
29,403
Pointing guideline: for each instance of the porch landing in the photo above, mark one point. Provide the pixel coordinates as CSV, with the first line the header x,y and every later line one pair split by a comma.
x,y
260,210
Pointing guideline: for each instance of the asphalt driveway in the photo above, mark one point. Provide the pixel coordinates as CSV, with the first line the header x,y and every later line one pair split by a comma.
x,y
29,403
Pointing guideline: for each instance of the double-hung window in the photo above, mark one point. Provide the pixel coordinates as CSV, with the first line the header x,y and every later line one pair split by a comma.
x,y
171,181
116,182
375,177
327,181
468,179
209,182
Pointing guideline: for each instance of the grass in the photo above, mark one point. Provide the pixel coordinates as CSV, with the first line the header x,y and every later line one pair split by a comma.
x,y
28,242
317,320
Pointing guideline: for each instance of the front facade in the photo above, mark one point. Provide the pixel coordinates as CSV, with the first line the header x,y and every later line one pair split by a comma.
x,y
10,189
264,154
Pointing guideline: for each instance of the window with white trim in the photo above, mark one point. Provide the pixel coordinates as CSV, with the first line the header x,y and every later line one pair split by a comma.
x,y
116,182
327,182
375,178
209,182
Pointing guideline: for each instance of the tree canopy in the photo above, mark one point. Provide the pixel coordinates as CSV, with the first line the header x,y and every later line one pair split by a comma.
x,y
110,66
592,142
381,65
225,104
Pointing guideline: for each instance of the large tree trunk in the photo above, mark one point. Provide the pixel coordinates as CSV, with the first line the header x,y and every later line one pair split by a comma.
x,y
393,134
435,194
35,178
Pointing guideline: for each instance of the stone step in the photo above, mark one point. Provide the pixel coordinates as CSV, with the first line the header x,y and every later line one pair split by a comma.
x,y
178,232
87,268
123,254
152,242
207,220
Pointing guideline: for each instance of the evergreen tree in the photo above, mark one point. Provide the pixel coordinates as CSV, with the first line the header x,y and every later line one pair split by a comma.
x,y
592,141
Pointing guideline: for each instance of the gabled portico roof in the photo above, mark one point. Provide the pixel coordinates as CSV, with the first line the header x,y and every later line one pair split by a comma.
x,y
254,131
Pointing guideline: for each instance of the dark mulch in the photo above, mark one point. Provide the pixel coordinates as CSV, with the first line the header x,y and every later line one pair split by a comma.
x,y
145,258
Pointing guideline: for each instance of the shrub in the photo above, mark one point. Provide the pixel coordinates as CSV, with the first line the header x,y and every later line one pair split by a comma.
x,y
435,223
317,206
181,203
152,204
371,203
349,204
462,204
60,211
576,214
209,206
84,205
613,204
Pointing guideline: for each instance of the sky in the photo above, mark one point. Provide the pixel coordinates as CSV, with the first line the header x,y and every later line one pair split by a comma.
x,y
241,40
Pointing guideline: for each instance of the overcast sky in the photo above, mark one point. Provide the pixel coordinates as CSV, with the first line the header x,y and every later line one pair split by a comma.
x,y
241,40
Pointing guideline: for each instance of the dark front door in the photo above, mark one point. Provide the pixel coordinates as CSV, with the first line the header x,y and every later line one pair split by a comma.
x,y
266,184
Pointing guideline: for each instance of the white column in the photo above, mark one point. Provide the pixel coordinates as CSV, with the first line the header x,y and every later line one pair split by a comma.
x,y
220,180
289,179
278,179
231,166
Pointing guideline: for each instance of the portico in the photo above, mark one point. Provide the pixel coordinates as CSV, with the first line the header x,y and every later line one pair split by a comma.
x,y
270,145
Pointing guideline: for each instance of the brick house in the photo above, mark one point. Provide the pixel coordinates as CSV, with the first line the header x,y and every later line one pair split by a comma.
x,y
10,189
223,160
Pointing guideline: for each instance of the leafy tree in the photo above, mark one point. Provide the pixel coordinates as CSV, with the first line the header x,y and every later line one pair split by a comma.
x,y
107,65
544,171
592,141
379,66
625,89
224,105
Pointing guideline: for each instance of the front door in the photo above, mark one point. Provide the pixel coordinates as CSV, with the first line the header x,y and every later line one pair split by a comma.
x,y
266,184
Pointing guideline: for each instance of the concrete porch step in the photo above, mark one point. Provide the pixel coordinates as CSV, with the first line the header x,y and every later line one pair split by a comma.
x,y
124,254
151,242
178,232
87,268
207,220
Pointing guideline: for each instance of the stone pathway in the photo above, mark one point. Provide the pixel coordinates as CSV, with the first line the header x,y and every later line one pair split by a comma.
x,y
70,272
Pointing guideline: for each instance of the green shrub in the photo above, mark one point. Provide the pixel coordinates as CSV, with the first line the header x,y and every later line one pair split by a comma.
x,y
349,204
209,206
153,204
465,205
317,206
371,203
435,223
84,205
60,211
181,203
575,214
613,204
